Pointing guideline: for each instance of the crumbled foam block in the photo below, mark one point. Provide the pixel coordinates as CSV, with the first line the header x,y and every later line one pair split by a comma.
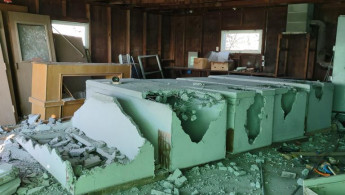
x,y
223,168
92,161
22,191
43,127
32,118
254,167
257,185
239,173
288,175
195,192
156,192
176,191
230,169
180,181
55,140
10,187
7,173
177,173
168,185
305,172
34,190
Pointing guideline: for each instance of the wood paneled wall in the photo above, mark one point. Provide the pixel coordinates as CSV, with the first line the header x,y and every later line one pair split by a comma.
x,y
202,33
115,30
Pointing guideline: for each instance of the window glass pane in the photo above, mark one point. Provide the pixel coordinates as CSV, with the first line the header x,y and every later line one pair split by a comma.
x,y
33,42
242,41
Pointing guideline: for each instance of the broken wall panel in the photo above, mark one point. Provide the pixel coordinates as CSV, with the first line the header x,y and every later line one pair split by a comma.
x,y
184,129
249,114
107,129
289,106
319,99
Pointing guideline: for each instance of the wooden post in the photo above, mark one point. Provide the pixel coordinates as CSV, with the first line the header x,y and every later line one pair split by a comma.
x,y
109,33
64,8
128,31
159,44
278,55
88,16
37,6
144,32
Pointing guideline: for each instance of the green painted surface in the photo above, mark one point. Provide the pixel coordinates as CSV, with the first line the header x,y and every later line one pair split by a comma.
x,y
156,107
319,97
97,178
339,67
243,112
289,105
334,185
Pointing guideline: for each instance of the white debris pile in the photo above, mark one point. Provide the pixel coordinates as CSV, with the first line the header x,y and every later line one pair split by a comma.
x,y
171,185
9,181
72,145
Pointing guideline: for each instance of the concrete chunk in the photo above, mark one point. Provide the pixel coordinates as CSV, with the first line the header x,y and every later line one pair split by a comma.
x,y
177,173
10,187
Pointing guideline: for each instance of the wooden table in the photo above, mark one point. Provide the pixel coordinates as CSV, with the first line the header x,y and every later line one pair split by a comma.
x,y
176,71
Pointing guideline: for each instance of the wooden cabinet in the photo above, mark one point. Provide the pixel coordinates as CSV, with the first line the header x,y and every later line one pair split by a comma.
x,y
48,84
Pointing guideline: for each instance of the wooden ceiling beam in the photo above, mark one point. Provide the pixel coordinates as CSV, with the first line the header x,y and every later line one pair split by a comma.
x,y
180,4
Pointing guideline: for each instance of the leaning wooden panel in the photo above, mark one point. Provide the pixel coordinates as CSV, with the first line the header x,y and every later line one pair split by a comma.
x,y
8,114
31,37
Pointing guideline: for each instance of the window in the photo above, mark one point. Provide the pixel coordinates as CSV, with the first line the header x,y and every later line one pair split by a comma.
x,y
242,41
75,29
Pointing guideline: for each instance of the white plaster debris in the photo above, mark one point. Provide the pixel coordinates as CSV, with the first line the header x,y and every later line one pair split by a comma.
x,y
305,172
288,175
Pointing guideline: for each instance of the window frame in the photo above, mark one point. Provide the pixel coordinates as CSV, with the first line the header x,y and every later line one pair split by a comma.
x,y
84,24
259,51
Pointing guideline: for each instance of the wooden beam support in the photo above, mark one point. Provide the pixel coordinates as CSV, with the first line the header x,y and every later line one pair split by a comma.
x,y
144,32
128,31
159,46
109,34
37,6
64,8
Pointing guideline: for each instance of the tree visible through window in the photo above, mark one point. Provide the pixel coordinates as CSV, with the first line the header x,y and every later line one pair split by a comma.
x,y
242,41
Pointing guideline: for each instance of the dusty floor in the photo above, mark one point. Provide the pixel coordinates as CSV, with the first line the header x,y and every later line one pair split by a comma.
x,y
214,178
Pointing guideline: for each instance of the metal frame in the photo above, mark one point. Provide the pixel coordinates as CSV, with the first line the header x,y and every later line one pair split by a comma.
x,y
153,72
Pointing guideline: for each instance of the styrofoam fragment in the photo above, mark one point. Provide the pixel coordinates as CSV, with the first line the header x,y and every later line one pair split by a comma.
x,y
61,143
168,185
177,173
176,191
254,167
288,175
43,127
7,173
240,173
223,168
55,140
34,190
257,185
195,192
180,181
231,169
156,192
32,118
92,161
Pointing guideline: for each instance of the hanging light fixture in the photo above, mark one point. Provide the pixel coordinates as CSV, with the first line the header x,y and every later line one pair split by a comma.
x,y
8,1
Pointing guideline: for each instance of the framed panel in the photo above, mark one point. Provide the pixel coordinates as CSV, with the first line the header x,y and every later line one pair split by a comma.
x,y
31,40
31,37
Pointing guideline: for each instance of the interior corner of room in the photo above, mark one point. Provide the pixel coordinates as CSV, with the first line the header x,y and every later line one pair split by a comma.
x,y
172,97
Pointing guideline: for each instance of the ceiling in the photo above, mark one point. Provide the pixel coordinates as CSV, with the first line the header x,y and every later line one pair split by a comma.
x,y
193,4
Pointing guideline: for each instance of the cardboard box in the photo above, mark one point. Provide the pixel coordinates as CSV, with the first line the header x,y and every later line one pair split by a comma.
x,y
201,63
226,66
